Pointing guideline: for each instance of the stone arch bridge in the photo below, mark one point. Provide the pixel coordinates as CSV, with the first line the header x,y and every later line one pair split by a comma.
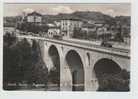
x,y
80,62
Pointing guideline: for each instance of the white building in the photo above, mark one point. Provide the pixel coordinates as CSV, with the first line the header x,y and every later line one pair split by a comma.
x,y
34,17
53,31
68,25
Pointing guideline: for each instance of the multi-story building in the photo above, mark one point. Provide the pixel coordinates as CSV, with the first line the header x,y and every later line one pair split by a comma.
x,y
104,32
89,28
33,17
68,25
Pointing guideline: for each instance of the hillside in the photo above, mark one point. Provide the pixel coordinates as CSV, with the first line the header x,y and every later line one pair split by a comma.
x,y
86,16
83,15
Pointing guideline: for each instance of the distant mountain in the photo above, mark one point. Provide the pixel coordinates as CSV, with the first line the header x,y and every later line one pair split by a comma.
x,y
92,16
83,15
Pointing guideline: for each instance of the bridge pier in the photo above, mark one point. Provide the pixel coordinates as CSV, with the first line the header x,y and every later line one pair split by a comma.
x,y
65,74
91,83
65,78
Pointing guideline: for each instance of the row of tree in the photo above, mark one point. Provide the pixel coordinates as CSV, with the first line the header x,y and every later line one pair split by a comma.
x,y
32,27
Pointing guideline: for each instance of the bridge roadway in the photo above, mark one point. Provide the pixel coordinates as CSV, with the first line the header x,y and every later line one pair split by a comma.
x,y
84,45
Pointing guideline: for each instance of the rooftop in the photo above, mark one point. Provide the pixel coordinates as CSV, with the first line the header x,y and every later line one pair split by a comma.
x,y
34,13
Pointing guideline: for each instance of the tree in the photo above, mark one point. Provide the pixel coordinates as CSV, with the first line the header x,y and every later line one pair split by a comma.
x,y
25,60
78,33
40,70
9,39
32,27
117,82
22,62
54,76
119,37
11,72
33,67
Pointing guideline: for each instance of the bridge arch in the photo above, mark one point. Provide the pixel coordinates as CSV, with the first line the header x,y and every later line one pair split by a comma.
x,y
75,64
104,68
55,58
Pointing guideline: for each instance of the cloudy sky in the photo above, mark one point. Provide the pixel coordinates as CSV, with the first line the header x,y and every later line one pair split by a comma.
x,y
110,9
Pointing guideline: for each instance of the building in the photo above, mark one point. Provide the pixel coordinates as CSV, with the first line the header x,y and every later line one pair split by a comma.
x,y
33,17
57,23
101,30
68,25
104,32
89,28
53,31
88,31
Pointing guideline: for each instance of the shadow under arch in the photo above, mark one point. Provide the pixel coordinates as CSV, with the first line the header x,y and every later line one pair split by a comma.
x,y
105,69
75,64
55,71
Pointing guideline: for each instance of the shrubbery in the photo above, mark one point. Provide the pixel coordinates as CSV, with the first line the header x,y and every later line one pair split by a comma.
x,y
22,63
117,82
31,27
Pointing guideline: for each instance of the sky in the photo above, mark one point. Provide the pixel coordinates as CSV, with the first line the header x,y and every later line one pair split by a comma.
x,y
122,9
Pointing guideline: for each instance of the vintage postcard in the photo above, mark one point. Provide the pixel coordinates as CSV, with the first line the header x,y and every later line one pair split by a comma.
x,y
66,47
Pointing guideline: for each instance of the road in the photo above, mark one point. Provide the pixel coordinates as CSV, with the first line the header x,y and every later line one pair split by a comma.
x,y
98,46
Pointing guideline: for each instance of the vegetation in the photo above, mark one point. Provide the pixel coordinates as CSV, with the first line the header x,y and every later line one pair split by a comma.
x,y
54,76
54,73
30,27
22,63
117,82
78,33
118,37
88,16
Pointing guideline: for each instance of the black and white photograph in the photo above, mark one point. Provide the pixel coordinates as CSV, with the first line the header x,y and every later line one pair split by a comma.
x,y
66,47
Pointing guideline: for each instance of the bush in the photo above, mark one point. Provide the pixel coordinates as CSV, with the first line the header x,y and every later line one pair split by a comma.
x,y
117,82
19,64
